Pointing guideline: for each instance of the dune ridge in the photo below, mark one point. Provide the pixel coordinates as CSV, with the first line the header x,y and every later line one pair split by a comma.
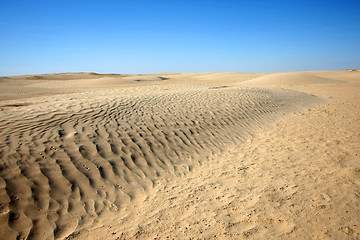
x,y
69,160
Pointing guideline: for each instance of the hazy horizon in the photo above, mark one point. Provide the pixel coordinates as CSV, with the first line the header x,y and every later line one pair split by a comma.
x,y
178,36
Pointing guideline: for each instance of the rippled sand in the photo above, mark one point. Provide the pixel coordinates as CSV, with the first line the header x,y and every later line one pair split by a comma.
x,y
216,155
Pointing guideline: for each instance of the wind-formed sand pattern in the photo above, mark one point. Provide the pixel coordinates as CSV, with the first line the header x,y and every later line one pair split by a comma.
x,y
68,160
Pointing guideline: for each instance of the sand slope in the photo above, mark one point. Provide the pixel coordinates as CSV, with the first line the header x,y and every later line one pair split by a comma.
x,y
291,79
162,157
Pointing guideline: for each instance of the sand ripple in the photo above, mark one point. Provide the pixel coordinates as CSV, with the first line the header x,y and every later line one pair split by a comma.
x,y
69,159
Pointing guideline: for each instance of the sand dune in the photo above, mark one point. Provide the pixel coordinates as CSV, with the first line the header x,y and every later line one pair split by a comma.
x,y
118,156
291,79
15,87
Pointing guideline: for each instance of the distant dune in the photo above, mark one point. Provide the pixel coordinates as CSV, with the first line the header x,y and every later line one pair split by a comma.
x,y
291,79
172,155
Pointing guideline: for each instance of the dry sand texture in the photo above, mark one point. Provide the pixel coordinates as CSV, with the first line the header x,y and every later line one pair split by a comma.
x,y
170,155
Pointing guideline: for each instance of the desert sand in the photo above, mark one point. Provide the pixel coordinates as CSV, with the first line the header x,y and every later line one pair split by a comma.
x,y
180,156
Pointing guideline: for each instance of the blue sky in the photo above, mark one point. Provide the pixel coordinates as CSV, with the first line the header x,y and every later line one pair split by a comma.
x,y
178,36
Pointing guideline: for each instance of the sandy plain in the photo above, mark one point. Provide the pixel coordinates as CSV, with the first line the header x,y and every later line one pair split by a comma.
x,y
180,156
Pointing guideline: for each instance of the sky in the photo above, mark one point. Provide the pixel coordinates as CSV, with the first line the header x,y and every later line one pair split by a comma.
x,y
178,36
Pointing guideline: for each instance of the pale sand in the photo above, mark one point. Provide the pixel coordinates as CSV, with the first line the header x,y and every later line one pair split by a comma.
x,y
180,156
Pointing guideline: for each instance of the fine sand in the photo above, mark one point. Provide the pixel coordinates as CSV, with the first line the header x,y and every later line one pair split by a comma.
x,y
180,156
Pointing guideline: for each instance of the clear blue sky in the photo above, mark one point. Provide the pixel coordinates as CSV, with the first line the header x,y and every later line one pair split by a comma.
x,y
178,36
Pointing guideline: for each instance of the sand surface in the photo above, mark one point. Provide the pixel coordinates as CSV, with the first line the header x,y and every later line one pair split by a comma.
x,y
180,156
